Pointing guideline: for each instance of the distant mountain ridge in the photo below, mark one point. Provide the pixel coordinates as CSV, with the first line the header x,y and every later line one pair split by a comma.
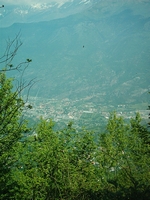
x,y
101,53
37,12
41,11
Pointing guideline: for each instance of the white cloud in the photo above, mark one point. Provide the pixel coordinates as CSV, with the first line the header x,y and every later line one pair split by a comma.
x,y
85,1
29,2
20,11
39,6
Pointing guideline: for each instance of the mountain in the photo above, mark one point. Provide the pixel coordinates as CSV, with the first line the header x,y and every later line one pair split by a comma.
x,y
87,49
41,11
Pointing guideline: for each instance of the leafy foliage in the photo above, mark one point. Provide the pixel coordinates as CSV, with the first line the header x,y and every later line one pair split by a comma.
x,y
12,126
126,159
67,164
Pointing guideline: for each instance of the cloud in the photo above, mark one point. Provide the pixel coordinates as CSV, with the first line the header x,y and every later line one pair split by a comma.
x,y
29,2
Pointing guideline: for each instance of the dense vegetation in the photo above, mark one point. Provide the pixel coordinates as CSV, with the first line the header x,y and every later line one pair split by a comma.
x,y
46,163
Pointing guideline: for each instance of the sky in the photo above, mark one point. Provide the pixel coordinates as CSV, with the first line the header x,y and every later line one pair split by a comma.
x,y
29,2
27,11
61,2
16,11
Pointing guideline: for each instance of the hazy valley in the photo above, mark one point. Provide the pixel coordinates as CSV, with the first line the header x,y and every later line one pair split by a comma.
x,y
97,57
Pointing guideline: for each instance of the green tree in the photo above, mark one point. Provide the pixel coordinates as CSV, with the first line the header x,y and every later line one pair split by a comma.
x,y
12,126
53,165
12,123
126,162
41,170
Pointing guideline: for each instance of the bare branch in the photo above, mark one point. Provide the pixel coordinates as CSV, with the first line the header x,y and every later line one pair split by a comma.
x,y
10,53
13,104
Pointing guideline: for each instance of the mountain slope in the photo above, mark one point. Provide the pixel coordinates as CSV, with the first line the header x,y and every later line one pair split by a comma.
x,y
98,53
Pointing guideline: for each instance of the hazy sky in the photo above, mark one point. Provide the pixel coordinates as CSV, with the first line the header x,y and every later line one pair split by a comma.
x,y
25,2
13,9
